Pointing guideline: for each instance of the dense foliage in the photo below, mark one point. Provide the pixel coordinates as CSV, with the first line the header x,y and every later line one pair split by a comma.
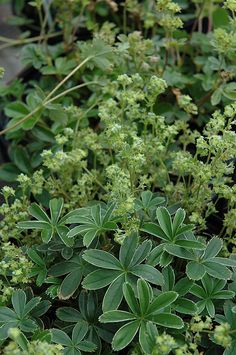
x,y
119,205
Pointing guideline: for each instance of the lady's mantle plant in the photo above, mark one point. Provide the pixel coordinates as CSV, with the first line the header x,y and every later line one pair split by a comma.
x,y
118,227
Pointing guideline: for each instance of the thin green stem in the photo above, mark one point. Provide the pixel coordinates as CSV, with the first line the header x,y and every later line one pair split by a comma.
x,y
10,42
62,82
46,100
87,111
44,104
72,89
95,179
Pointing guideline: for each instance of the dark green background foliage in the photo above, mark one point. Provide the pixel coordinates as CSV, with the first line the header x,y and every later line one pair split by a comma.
x,y
118,216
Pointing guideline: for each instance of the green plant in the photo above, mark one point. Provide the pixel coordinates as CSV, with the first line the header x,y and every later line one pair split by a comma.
x,y
209,291
115,272
146,309
24,314
49,226
73,269
225,335
88,310
23,346
93,222
76,343
121,165
173,233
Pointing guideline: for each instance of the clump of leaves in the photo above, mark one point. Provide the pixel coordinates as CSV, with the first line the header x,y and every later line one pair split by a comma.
x,y
76,343
146,309
115,272
24,314
50,226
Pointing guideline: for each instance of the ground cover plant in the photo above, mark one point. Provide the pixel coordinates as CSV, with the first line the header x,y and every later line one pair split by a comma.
x,y
118,215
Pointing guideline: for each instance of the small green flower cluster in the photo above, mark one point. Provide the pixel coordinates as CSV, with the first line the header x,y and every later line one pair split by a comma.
x,y
12,212
168,10
107,33
165,343
120,189
230,217
68,176
15,266
63,160
155,87
230,4
139,51
222,335
185,102
5,292
34,184
210,168
223,41
197,324
193,335
34,348
15,270
134,154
